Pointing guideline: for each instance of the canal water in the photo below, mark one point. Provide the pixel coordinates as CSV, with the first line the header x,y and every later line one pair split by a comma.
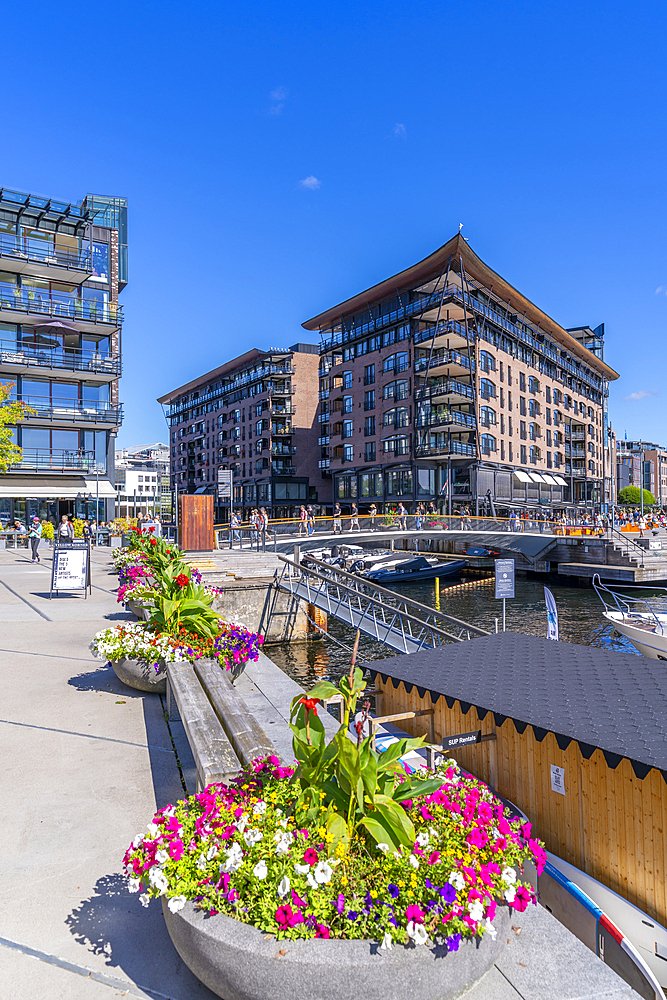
x,y
579,618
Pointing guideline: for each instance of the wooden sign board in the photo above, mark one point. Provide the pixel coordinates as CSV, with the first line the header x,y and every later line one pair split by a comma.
x,y
462,740
196,532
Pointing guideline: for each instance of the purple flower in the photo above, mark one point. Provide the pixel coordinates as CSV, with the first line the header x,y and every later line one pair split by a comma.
x,y
352,915
453,942
340,903
448,892
394,890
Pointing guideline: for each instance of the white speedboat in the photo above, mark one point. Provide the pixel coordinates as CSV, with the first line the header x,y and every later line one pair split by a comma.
x,y
643,623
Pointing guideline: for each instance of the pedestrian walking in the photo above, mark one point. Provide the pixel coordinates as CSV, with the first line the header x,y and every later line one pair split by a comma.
x,y
642,525
402,517
311,519
86,532
354,518
303,520
235,524
35,535
65,531
337,522
372,513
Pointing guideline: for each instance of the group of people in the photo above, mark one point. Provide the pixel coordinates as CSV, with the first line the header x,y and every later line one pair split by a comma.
x,y
258,520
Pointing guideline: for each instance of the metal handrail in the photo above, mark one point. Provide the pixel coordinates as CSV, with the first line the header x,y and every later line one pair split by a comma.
x,y
381,592
624,537
625,604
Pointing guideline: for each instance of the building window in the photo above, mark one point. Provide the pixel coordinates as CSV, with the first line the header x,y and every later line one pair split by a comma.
x,y
369,453
533,408
399,483
522,382
533,384
347,404
348,429
522,406
522,430
523,454
395,445
549,460
396,390
369,399
487,416
348,453
369,426
395,363
488,444
535,454
369,375
487,362
398,417
487,389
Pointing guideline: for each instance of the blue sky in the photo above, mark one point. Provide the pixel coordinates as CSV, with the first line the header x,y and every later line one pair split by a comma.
x,y
279,158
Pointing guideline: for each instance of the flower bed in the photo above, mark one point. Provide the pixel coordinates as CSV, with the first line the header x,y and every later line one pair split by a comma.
x,y
238,850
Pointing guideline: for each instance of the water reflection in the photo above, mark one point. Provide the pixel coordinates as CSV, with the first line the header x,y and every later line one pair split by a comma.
x,y
579,617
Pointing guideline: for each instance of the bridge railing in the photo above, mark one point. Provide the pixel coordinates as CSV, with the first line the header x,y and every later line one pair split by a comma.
x,y
402,623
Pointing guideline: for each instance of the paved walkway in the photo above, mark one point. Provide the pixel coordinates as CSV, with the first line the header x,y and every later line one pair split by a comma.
x,y
87,762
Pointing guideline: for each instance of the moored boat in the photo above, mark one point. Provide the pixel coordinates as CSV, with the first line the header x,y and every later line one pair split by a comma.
x,y
636,618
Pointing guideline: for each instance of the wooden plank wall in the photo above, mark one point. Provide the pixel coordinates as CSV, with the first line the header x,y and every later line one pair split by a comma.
x,y
196,523
609,823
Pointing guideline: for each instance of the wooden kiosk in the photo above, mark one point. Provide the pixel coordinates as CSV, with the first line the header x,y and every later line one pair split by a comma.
x,y
580,744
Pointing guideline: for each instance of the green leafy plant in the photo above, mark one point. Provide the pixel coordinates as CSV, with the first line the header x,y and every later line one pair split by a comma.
x,y
179,603
630,495
11,413
360,791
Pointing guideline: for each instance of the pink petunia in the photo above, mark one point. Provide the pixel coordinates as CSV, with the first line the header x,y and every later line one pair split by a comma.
x,y
484,812
311,857
477,837
522,898
176,850
539,855
434,858
413,912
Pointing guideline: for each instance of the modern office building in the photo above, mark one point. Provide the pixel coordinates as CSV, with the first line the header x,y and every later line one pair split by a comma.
x,y
643,462
255,415
142,481
444,383
62,267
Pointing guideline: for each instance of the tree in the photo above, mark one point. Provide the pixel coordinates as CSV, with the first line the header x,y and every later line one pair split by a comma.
x,y
630,495
11,412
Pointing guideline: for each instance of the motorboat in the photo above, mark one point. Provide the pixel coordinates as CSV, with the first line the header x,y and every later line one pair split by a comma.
x,y
644,624
415,570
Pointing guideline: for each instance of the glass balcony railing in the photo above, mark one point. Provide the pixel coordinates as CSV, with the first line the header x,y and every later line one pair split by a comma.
x,y
280,469
442,329
75,410
56,460
445,418
68,359
43,252
444,357
15,299
432,449
444,387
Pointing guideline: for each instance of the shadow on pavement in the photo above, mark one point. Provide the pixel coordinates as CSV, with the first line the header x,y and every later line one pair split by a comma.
x,y
101,679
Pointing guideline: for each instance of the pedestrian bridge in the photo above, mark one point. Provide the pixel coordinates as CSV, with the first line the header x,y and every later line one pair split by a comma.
x,y
402,624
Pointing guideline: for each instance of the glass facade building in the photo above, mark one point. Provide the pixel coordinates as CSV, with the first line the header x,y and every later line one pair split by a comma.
x,y
62,267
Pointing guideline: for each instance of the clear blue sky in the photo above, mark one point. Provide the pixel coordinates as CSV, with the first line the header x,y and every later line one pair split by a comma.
x,y
540,127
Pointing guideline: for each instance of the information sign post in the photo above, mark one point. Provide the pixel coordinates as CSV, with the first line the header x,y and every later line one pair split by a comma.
x,y
504,581
226,488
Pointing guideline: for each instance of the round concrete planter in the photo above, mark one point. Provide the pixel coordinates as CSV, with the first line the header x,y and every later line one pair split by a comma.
x,y
141,675
140,610
239,962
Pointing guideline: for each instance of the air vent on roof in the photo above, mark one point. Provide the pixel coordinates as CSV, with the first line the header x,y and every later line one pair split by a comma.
x,y
100,234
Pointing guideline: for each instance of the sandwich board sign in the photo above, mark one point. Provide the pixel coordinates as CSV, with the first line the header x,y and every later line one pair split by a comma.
x,y
71,569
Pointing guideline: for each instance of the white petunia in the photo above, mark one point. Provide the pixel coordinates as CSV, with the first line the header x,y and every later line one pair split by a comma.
x,y
510,894
233,860
387,943
201,862
260,870
423,838
456,879
242,824
302,869
171,811
323,872
490,929
212,852
433,834
383,847
283,886
153,830
283,823
176,903
414,860
476,910
134,884
137,840
417,932
311,881
283,842
508,875
144,899
157,878
259,808
161,857
253,836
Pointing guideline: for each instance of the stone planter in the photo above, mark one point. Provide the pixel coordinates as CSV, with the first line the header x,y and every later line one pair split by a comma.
x,y
239,962
140,610
141,675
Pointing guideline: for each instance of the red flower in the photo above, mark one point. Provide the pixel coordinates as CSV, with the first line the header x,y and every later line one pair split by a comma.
x,y
182,580
151,528
310,704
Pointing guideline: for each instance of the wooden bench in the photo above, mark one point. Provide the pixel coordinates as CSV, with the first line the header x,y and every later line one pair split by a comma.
x,y
245,734
214,757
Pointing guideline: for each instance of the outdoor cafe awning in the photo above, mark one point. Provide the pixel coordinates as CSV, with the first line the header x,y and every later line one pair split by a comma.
x,y
523,477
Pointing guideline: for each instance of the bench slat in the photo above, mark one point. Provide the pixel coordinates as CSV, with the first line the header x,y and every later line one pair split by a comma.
x,y
214,756
245,734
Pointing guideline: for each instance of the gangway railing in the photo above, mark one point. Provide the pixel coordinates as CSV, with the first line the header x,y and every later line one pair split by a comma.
x,y
399,622
628,545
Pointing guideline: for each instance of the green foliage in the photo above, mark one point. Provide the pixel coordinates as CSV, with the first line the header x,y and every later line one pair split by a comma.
x,y
177,606
630,496
359,791
11,413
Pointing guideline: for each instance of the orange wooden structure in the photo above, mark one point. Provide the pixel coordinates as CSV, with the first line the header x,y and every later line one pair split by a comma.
x,y
196,532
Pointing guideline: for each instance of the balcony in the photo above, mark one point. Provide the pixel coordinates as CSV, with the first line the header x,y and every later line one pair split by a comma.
x,y
283,449
323,463
73,412
324,393
447,327
278,469
281,429
323,440
435,449
42,258
16,302
280,390
447,418
444,358
55,460
323,418
19,357
395,367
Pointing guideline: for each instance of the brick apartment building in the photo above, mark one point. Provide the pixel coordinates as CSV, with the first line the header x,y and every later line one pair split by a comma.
x,y
255,415
643,462
444,383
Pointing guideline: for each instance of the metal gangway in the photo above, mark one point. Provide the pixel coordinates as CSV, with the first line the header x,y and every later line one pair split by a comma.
x,y
404,625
